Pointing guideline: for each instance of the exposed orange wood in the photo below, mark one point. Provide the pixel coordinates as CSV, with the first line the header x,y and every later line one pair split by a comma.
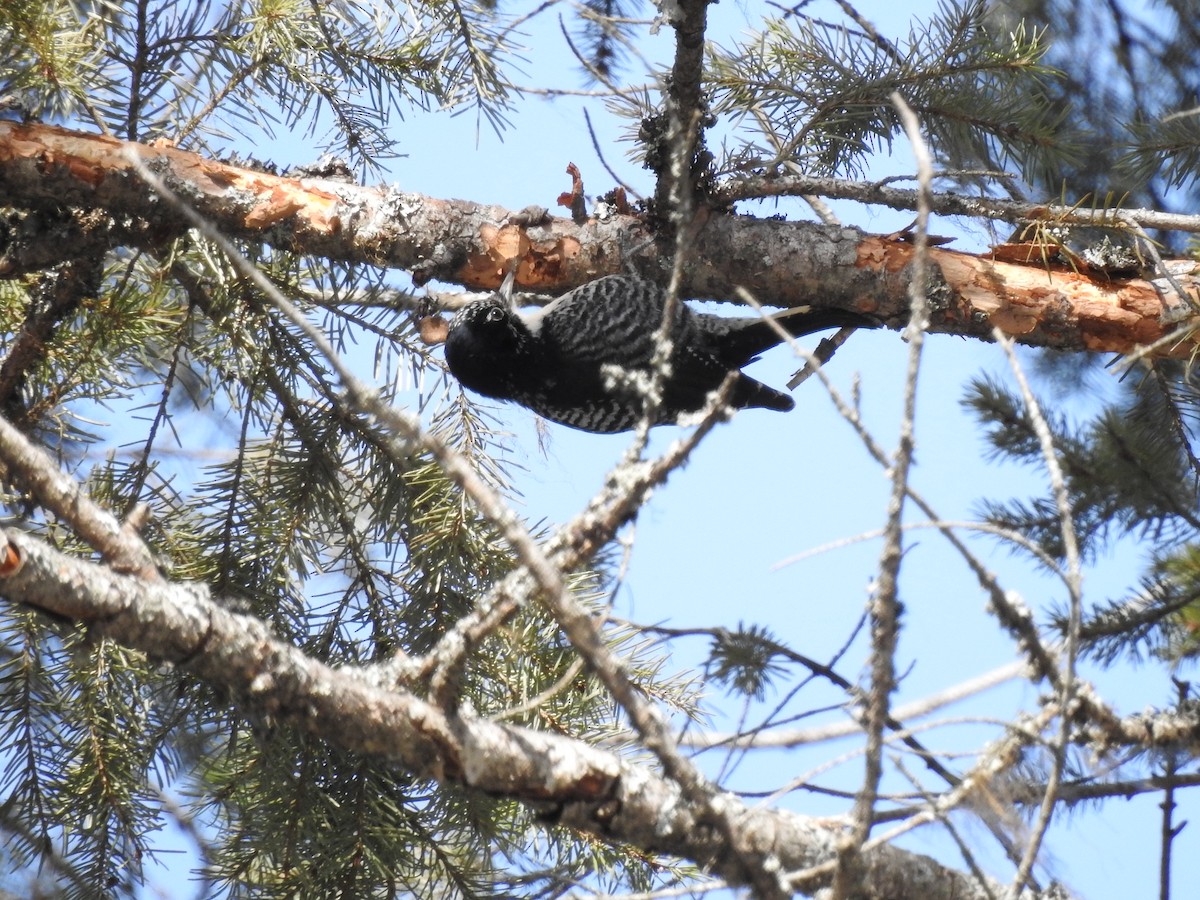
x,y
1108,314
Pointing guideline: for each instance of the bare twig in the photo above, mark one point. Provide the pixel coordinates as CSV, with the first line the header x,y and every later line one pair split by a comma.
x,y
1169,829
629,189
1007,534
885,606
943,203
977,789
964,848
1074,577
913,710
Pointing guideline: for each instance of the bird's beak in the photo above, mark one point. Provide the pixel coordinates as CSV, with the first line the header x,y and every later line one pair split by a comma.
x,y
506,286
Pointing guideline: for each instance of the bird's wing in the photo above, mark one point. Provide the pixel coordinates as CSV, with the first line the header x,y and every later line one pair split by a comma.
x,y
696,373
738,340
610,320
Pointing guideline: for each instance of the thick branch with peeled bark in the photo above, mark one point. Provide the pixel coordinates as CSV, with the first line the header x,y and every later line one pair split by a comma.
x,y
568,781
43,167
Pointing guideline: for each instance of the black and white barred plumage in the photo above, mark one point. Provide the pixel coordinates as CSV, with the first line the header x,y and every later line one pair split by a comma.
x,y
552,360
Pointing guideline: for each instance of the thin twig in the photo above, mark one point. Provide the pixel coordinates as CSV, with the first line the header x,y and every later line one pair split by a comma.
x,y
885,605
1169,830
913,710
540,699
1006,534
1146,245
1066,685
629,189
943,202
964,849
976,789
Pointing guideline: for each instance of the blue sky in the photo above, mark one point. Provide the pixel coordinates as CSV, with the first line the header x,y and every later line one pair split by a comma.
x,y
768,486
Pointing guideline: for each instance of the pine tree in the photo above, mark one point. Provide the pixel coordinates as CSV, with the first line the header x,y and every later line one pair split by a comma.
x,y
257,587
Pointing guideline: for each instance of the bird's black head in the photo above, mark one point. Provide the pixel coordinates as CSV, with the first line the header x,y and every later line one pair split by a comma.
x,y
489,347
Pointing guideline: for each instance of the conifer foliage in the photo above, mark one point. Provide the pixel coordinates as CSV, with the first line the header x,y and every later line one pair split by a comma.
x,y
266,578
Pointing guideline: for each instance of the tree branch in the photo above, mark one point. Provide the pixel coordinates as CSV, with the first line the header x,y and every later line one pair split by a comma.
x,y
570,782
944,203
45,167
31,467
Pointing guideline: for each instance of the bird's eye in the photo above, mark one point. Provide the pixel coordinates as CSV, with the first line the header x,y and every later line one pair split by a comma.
x,y
494,315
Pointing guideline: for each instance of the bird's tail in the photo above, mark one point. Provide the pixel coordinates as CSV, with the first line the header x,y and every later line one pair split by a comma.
x,y
748,392
748,337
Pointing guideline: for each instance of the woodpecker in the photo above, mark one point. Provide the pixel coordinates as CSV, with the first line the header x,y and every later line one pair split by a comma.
x,y
578,360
